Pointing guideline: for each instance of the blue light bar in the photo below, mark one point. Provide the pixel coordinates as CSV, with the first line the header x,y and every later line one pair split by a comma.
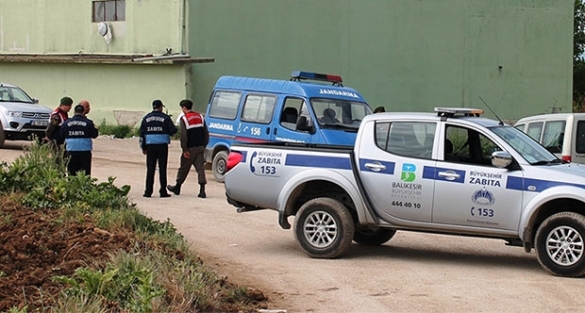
x,y
298,75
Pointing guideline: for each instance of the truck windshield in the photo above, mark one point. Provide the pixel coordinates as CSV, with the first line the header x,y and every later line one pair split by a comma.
x,y
530,150
339,113
13,94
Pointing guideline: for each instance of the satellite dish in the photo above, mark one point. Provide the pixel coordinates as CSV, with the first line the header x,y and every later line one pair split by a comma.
x,y
105,31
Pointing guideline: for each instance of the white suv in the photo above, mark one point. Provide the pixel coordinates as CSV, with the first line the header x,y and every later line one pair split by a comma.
x,y
21,117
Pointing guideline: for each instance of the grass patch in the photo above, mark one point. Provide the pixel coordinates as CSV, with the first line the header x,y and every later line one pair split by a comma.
x,y
118,131
76,245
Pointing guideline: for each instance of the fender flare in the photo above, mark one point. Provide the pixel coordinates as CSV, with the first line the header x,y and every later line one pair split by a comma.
x,y
326,175
530,212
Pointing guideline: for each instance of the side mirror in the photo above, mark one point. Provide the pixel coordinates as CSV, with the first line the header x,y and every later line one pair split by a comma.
x,y
501,159
35,100
303,125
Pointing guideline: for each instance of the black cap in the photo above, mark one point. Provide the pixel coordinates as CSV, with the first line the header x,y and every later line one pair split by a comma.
x,y
157,104
66,101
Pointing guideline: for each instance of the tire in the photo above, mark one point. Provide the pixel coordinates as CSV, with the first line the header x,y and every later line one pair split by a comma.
x,y
219,165
370,237
324,228
560,244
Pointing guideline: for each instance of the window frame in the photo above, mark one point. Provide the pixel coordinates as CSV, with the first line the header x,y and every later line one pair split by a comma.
x,y
217,109
119,14
262,107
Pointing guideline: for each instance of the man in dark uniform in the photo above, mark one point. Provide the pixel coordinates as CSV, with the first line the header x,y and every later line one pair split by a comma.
x,y
56,119
156,130
78,133
194,138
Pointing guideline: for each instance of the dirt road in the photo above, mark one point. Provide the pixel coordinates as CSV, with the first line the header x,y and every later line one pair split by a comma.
x,y
413,272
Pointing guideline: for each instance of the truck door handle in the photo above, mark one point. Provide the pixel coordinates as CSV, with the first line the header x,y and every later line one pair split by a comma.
x,y
275,131
268,131
376,167
449,175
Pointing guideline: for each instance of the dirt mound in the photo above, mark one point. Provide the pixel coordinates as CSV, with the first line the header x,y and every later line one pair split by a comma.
x,y
34,248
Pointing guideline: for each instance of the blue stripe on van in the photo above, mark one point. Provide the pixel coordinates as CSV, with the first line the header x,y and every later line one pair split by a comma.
x,y
244,156
317,161
535,185
431,172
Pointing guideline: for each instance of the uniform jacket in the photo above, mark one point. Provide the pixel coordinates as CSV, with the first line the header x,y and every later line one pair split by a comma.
x,y
56,119
156,128
78,132
193,131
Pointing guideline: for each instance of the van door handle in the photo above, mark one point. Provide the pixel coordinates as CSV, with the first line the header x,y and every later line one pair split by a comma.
x,y
376,167
268,131
275,130
449,175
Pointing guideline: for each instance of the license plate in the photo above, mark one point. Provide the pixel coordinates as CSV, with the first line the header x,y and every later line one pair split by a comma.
x,y
40,123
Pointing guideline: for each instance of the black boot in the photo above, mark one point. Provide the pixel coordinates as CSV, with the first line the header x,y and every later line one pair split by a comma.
x,y
201,191
174,189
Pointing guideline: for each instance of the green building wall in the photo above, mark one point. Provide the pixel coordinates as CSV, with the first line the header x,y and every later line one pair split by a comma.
x,y
407,55
116,91
402,54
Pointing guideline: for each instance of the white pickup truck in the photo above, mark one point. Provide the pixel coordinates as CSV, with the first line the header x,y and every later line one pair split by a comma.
x,y
448,172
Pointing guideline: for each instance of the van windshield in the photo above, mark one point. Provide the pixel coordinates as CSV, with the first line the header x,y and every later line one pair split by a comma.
x,y
334,113
529,148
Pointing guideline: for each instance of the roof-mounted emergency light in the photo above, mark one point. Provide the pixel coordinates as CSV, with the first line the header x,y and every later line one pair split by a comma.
x,y
298,75
450,112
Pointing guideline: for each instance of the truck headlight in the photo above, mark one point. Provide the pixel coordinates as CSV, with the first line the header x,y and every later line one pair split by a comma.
x,y
15,114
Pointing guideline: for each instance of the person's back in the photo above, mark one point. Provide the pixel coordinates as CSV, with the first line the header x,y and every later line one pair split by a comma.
x,y
194,138
78,133
156,130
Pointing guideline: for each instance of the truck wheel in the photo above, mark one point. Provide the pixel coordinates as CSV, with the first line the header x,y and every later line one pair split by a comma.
x,y
218,165
560,244
370,237
324,228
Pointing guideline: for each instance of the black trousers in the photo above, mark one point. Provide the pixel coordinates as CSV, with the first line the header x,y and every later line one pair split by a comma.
x,y
79,161
156,153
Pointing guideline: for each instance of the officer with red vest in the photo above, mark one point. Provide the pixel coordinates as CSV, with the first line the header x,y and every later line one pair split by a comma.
x,y
56,119
194,138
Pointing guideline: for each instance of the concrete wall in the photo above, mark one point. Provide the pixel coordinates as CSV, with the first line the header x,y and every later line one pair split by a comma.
x,y
65,26
402,54
48,27
108,88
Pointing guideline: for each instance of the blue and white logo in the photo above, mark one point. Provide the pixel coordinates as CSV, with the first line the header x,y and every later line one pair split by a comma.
x,y
483,197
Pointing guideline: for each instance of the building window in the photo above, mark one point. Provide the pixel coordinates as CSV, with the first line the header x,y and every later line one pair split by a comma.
x,y
108,10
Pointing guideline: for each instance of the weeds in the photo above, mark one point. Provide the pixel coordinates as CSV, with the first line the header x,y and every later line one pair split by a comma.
x,y
118,131
155,271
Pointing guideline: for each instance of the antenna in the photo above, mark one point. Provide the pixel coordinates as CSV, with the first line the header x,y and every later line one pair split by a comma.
x,y
554,107
499,119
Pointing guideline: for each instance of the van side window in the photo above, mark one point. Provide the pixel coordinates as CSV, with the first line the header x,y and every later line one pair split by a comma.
x,y
580,147
258,108
553,136
411,139
464,145
290,112
534,130
224,104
